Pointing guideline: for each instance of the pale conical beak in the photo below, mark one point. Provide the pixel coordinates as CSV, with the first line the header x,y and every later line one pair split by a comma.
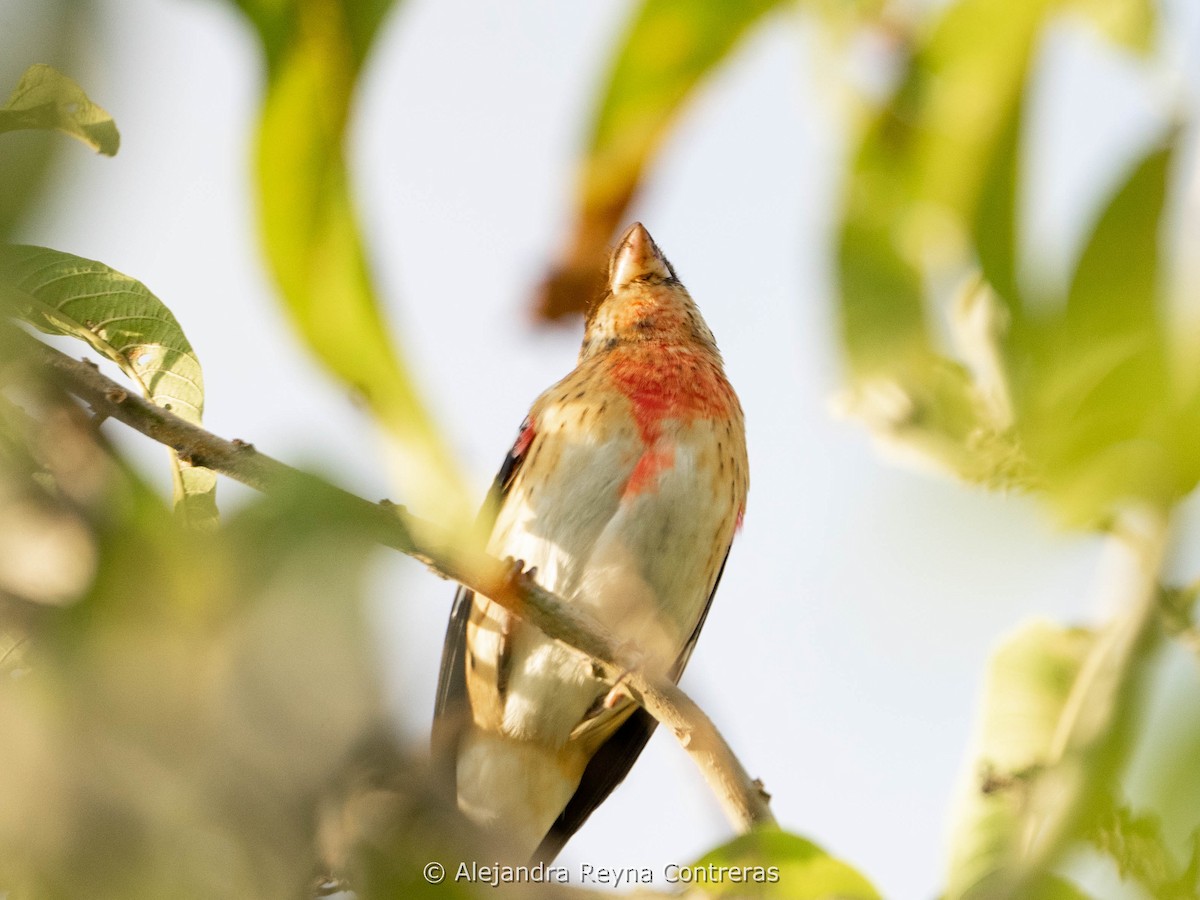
x,y
636,257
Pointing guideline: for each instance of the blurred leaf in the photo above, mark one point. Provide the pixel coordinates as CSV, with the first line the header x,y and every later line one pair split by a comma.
x,y
12,654
1098,405
668,49
1101,719
921,168
1097,419
941,155
925,413
1128,23
996,220
178,726
399,825
55,472
1163,776
48,100
46,554
315,50
204,721
843,16
118,316
1028,682
882,297
1177,606
779,865
1116,283
1048,887
34,31
276,21
1137,845
936,162
1060,714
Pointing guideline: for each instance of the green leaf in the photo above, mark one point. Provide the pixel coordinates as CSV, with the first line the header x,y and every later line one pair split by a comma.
x,y
1138,846
882,296
996,218
47,99
118,316
1163,776
775,864
1046,887
934,168
1097,418
277,21
844,17
668,49
46,30
187,717
1116,284
1100,408
12,653
931,412
1028,682
920,171
313,243
1128,23
939,160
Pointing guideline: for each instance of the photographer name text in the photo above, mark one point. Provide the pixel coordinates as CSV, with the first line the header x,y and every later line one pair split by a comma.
x,y
608,876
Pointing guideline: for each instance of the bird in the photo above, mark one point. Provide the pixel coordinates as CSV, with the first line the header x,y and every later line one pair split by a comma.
x,y
623,492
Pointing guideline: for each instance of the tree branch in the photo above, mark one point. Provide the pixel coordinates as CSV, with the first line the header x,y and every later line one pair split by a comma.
x,y
743,799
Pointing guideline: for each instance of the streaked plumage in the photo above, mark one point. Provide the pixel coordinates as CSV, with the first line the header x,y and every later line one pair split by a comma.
x,y
624,489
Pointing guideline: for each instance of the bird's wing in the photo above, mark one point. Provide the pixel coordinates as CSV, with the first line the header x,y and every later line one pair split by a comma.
x,y
450,704
686,653
616,756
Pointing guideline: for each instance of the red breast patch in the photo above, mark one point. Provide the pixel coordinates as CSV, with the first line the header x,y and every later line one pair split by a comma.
x,y
667,384
655,460
663,383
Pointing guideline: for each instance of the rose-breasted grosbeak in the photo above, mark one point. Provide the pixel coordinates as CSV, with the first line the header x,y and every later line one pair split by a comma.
x,y
624,489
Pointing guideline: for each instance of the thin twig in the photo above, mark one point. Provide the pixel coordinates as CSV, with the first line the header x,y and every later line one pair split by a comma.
x,y
743,799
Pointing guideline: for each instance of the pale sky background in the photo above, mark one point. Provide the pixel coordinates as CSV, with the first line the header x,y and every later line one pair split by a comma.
x,y
844,654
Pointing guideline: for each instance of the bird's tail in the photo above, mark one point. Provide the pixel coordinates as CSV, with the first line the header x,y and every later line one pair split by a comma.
x,y
518,788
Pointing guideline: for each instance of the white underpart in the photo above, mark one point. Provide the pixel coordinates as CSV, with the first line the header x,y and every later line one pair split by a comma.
x,y
639,563
512,784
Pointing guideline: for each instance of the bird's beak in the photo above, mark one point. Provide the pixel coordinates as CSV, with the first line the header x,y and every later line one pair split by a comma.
x,y
636,257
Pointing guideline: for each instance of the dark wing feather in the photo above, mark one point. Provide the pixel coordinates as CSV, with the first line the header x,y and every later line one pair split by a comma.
x,y
450,704
616,756
686,653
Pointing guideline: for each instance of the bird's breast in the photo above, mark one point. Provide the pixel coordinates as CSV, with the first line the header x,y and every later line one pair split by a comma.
x,y
663,382
626,502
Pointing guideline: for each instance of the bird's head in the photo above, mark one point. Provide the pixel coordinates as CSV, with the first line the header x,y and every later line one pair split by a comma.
x,y
644,302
